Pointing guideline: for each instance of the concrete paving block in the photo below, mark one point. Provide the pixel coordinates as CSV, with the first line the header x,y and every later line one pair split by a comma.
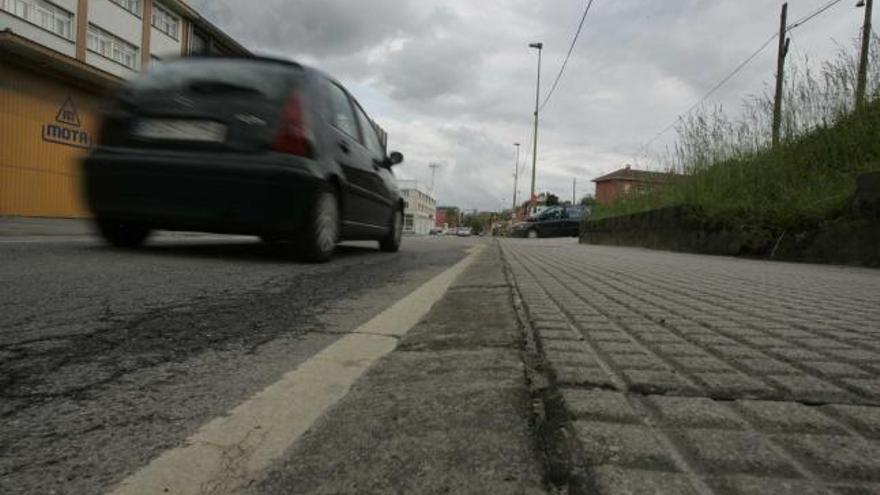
x,y
736,351
628,347
767,366
679,350
664,337
575,359
794,354
869,387
810,389
657,382
607,335
608,480
788,417
754,485
703,364
565,346
723,452
637,362
600,405
567,334
733,385
694,412
836,458
622,445
864,419
582,377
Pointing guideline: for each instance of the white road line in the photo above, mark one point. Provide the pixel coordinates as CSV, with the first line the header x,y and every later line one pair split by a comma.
x,y
230,452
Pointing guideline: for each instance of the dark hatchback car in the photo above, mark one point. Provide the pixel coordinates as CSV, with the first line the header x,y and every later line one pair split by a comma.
x,y
250,146
558,221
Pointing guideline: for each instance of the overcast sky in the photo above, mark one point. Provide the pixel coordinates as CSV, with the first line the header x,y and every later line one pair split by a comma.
x,y
453,81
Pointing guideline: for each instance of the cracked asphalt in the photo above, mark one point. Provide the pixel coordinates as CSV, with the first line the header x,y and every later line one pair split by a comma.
x,y
108,358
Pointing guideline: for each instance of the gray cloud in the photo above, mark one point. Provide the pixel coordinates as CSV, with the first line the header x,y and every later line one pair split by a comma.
x,y
453,80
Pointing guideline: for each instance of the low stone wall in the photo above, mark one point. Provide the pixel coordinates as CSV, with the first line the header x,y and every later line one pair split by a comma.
x,y
854,239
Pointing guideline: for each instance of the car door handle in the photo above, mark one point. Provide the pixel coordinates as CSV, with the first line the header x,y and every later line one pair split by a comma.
x,y
344,147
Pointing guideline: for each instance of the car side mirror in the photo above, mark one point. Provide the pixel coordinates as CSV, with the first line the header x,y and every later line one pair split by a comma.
x,y
395,158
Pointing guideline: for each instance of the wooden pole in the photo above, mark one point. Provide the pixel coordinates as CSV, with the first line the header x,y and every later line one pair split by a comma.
x,y
780,75
861,87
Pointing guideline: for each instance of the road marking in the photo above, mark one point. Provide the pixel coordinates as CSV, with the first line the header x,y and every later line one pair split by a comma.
x,y
230,452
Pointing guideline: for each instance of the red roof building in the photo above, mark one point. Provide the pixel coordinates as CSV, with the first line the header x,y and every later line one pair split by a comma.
x,y
627,180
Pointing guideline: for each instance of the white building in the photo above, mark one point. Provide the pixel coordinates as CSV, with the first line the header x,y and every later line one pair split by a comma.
x,y
421,206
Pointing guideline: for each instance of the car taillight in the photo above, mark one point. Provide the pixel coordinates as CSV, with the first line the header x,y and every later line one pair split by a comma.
x,y
293,135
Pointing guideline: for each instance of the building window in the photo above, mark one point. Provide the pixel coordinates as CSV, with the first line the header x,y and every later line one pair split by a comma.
x,y
165,21
116,49
133,6
43,14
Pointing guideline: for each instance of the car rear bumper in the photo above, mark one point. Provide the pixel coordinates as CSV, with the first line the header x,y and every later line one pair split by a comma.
x,y
242,194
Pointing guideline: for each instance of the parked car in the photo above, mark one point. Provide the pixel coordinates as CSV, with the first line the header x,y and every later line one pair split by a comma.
x,y
253,146
464,232
559,221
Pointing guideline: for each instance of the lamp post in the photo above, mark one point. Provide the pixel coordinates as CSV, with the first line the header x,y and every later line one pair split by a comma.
x,y
515,177
540,47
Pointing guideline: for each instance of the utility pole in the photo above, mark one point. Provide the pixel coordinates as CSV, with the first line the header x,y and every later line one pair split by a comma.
x,y
861,87
574,182
433,167
515,177
780,74
540,48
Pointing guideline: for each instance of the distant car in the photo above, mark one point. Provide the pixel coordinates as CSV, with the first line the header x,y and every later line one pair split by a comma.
x,y
464,232
251,146
560,221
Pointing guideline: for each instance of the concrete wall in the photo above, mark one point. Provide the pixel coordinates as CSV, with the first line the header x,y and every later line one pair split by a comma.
x,y
852,239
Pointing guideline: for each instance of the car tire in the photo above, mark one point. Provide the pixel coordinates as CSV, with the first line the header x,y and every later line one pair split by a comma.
x,y
532,234
321,234
122,234
391,242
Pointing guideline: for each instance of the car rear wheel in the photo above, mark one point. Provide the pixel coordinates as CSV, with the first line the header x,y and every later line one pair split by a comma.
x,y
533,234
391,242
322,229
122,234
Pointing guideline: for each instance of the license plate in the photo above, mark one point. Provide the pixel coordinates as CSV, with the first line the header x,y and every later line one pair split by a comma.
x,y
181,130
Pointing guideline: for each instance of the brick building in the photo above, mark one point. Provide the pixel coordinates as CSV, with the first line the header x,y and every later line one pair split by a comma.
x,y
627,180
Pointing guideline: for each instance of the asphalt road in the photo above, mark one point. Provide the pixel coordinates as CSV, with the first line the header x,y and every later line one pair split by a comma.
x,y
108,358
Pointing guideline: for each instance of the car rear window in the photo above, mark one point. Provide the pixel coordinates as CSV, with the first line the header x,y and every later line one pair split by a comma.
x,y
217,76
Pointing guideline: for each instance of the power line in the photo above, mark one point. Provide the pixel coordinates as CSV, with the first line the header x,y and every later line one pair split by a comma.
x,y
800,22
567,56
810,17
712,91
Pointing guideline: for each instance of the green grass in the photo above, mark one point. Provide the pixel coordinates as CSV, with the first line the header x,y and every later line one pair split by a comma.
x,y
731,173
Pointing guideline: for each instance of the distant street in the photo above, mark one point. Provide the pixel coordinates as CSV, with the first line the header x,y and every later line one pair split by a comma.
x,y
108,358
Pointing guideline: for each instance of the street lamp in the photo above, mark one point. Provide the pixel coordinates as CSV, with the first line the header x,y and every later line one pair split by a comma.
x,y
515,176
540,47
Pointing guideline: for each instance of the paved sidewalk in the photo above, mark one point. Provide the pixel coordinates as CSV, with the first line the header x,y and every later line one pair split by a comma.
x,y
448,411
694,374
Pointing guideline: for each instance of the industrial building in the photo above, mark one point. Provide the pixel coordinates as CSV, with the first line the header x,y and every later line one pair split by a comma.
x,y
58,61
418,216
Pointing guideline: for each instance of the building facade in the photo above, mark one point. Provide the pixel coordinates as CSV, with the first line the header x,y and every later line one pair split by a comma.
x,y
418,216
627,180
58,61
